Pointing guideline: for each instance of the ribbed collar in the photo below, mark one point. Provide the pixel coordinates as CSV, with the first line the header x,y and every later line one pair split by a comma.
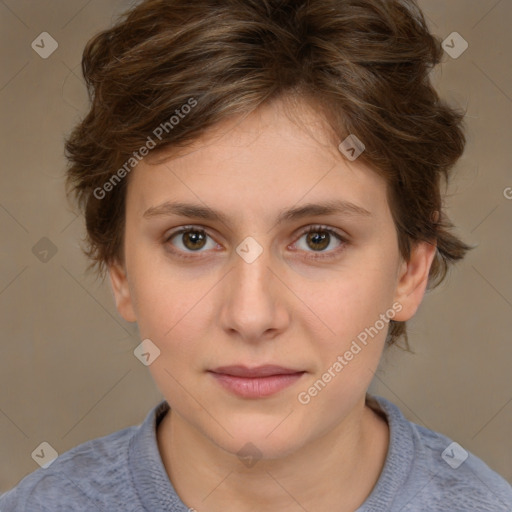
x,y
399,459
149,476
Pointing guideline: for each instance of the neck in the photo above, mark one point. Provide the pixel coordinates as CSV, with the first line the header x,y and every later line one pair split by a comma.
x,y
336,471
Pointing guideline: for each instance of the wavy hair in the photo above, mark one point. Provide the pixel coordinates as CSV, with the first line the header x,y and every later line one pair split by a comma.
x,y
364,63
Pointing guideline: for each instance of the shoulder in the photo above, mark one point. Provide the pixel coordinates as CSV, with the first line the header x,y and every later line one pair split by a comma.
x,y
76,479
460,479
432,472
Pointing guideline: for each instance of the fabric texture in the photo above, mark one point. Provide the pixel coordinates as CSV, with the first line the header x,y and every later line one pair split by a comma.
x,y
124,471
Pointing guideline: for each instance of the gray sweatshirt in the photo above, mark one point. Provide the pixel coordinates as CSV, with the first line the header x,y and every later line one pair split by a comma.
x,y
424,471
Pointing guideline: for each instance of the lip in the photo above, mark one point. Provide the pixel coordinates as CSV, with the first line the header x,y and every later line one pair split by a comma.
x,y
257,382
257,371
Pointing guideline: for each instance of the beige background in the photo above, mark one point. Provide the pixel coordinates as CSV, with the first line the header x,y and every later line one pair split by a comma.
x,y
67,369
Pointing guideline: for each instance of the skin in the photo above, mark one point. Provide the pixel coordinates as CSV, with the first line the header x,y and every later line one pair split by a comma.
x,y
284,308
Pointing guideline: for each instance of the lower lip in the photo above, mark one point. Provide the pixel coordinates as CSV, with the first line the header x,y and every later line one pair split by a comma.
x,y
256,387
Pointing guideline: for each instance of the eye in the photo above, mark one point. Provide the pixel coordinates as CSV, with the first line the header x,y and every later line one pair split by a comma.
x,y
191,240
319,238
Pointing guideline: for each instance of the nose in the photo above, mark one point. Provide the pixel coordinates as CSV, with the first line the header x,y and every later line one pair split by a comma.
x,y
256,305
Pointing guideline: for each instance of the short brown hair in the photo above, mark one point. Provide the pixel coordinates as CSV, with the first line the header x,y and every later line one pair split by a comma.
x,y
364,63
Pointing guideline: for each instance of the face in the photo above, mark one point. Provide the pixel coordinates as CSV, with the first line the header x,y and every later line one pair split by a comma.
x,y
251,287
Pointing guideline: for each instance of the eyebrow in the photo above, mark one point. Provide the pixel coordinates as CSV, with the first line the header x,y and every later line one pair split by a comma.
x,y
339,207
334,207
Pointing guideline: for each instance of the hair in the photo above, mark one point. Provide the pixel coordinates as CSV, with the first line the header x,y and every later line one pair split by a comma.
x,y
364,64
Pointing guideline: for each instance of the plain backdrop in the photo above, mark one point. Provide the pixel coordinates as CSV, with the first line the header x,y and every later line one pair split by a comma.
x,y
67,369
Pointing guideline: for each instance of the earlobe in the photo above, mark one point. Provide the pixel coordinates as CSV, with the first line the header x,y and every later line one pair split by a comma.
x,y
121,290
413,278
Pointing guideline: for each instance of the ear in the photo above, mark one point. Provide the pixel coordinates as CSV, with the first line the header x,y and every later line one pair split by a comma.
x,y
412,279
122,294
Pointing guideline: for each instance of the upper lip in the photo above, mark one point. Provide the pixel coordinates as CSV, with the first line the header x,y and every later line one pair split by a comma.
x,y
257,371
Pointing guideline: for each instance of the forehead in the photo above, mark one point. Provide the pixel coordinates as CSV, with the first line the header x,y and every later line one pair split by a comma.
x,y
255,165
283,125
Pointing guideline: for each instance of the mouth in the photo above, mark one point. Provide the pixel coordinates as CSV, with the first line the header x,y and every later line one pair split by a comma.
x,y
257,382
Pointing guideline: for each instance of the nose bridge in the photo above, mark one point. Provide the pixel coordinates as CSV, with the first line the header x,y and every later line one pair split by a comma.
x,y
253,305
252,260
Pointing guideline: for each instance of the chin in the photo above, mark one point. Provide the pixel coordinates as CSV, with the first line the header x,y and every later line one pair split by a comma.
x,y
268,439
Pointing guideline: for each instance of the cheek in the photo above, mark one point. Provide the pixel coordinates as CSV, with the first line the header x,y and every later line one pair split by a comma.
x,y
175,310
349,300
355,311
155,294
163,308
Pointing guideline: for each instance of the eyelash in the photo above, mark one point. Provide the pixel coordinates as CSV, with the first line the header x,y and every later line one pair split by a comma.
x,y
311,229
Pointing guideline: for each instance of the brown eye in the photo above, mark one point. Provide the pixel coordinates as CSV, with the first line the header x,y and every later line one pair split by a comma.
x,y
193,240
187,240
317,241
